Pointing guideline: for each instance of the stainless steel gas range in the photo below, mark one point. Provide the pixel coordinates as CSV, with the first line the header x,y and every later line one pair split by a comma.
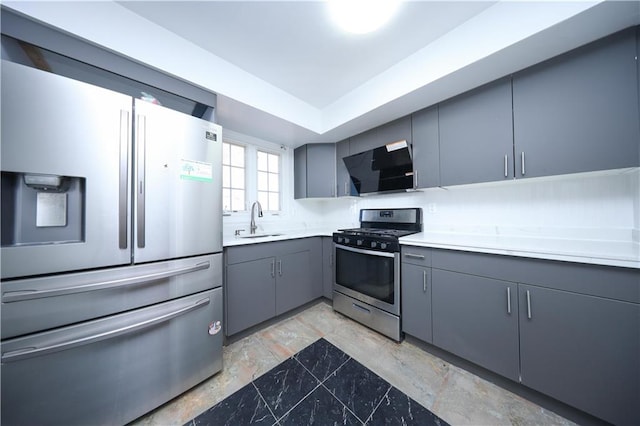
x,y
367,262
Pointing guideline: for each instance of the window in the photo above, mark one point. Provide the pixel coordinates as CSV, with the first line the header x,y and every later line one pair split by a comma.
x,y
233,181
269,180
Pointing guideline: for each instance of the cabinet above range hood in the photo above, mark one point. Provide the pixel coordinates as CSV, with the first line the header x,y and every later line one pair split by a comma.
x,y
388,168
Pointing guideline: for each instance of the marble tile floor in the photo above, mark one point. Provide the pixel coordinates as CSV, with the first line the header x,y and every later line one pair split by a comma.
x,y
453,394
320,385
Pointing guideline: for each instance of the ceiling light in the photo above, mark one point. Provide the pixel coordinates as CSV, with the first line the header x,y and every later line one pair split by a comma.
x,y
362,16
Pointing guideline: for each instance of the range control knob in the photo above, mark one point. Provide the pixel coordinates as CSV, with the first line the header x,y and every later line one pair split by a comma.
x,y
383,246
340,239
346,240
359,242
374,244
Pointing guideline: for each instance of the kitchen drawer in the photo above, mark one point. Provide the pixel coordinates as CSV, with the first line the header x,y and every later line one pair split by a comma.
x,y
115,369
414,255
595,280
35,304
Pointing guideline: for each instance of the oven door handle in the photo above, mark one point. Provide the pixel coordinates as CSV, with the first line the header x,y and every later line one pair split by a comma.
x,y
363,251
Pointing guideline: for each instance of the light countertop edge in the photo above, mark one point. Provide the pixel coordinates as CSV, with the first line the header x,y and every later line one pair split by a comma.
x,y
606,253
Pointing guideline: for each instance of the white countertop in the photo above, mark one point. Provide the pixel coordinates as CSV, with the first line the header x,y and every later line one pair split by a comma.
x,y
598,252
264,237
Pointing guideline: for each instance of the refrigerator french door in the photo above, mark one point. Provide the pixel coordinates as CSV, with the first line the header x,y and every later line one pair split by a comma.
x,y
111,243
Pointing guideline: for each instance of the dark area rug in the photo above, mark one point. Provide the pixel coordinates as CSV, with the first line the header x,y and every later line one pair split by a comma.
x,y
320,385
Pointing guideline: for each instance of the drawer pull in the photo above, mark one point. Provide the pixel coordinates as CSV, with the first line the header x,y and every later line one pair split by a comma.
x,y
31,351
21,295
509,300
414,256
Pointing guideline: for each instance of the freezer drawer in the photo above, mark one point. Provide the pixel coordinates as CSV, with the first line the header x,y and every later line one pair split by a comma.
x,y
112,370
38,304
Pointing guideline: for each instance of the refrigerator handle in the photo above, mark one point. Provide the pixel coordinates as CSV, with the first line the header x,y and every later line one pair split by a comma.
x,y
21,295
141,139
29,352
123,198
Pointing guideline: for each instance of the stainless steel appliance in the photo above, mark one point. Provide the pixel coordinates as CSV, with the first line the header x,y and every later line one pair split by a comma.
x,y
111,252
367,259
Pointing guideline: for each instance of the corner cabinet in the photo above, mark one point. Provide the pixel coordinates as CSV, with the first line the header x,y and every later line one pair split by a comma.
x,y
579,112
264,280
476,136
314,171
568,330
328,267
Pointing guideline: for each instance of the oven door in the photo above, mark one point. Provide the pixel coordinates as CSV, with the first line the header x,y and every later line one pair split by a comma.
x,y
372,277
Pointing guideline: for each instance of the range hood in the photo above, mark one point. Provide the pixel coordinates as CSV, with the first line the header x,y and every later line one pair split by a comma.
x,y
388,168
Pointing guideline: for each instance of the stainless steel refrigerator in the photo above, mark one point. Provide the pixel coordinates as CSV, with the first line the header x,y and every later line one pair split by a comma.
x,y
111,252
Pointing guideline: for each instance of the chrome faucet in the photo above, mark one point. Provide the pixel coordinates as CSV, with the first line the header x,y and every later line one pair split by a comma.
x,y
252,225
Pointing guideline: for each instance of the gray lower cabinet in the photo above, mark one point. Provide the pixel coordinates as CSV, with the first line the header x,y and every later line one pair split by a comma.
x,y
476,135
426,148
476,318
582,350
568,330
579,112
294,281
267,279
250,294
314,171
328,268
416,301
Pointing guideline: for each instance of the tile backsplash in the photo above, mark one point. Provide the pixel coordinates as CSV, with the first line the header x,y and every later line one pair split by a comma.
x,y
599,205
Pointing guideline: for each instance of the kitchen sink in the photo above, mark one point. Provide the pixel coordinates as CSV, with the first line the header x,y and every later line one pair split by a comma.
x,y
260,235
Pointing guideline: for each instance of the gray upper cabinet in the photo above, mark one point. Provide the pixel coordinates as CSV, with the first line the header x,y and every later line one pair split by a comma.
x,y
579,112
426,148
344,186
476,135
314,170
582,350
477,319
391,132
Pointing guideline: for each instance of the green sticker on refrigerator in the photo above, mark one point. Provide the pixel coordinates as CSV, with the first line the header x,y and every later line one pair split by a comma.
x,y
196,170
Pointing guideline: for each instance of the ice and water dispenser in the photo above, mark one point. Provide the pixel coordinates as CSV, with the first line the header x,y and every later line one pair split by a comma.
x,y
42,209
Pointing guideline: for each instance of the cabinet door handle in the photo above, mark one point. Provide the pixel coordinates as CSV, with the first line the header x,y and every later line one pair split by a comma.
x,y
415,178
522,162
528,304
509,300
424,281
414,256
273,268
280,267
506,166
346,188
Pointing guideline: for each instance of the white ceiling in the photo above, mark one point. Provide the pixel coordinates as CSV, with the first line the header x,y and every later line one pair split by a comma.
x,y
284,73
